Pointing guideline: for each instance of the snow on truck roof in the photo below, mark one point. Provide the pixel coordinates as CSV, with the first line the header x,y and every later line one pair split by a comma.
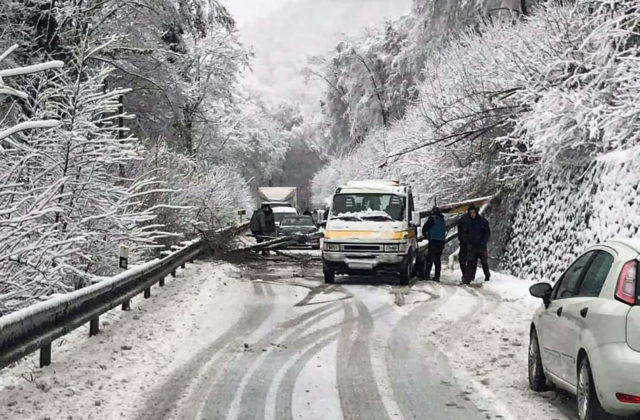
x,y
284,210
277,193
374,185
373,182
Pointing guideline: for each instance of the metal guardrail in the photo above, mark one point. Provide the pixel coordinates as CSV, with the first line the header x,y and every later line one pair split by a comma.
x,y
37,326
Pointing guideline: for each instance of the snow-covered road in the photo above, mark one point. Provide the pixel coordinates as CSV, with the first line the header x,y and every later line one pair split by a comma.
x,y
270,341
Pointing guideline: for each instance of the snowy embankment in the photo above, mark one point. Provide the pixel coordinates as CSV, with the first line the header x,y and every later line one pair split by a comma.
x,y
108,376
563,212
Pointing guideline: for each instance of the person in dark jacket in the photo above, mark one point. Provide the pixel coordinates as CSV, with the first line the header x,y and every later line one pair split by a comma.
x,y
477,233
268,221
256,225
435,230
464,244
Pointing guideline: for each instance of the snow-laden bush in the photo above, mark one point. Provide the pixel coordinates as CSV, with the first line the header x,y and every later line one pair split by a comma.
x,y
194,197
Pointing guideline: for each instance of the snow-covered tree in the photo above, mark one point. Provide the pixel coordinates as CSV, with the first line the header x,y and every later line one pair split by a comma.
x,y
66,205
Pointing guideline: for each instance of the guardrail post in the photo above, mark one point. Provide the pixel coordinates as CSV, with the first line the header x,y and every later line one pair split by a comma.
x,y
161,282
123,258
173,273
183,265
94,326
147,293
45,355
123,264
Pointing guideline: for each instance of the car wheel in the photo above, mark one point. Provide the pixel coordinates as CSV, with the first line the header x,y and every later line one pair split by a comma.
x,y
329,276
537,378
589,407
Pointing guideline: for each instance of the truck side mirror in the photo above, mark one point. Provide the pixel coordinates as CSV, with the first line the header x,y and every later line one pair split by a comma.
x,y
416,220
320,218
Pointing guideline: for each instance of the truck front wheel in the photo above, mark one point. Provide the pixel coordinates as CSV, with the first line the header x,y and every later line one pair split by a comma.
x,y
329,276
407,271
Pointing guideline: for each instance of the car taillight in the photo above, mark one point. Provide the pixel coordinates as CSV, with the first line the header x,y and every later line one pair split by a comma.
x,y
628,399
626,289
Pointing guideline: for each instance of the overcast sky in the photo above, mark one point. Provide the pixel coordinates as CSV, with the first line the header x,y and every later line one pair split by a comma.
x,y
284,33
244,11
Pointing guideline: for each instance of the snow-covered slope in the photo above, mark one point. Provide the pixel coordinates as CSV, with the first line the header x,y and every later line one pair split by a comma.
x,y
563,212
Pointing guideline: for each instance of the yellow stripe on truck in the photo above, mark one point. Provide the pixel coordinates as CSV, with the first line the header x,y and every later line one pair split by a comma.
x,y
369,234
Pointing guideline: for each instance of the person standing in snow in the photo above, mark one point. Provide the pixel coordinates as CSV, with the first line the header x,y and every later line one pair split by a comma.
x,y
477,233
255,225
268,221
464,245
435,230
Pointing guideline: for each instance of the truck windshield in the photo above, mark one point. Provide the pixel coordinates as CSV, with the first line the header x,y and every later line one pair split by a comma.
x,y
378,207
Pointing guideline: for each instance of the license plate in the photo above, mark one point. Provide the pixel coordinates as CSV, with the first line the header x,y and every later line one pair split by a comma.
x,y
360,265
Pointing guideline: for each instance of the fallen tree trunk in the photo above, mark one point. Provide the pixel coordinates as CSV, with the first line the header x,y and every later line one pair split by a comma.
x,y
460,207
281,242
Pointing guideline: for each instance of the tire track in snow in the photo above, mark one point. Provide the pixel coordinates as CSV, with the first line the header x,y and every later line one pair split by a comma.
x,y
446,335
167,396
359,396
410,363
223,400
252,398
284,399
286,378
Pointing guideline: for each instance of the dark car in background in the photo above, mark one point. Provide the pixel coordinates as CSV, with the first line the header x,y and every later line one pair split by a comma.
x,y
299,225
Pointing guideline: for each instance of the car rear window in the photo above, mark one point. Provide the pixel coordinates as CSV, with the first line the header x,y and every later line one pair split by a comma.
x,y
297,221
596,275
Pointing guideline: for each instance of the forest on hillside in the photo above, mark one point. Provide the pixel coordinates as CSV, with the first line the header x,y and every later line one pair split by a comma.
x,y
124,123
121,123
535,102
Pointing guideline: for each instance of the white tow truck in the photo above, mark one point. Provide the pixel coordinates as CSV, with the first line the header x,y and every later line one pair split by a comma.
x,y
372,228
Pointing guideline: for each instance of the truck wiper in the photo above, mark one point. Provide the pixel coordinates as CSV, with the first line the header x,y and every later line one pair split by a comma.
x,y
348,218
379,217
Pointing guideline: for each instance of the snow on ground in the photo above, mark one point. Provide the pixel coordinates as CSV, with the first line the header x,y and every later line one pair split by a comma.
x,y
483,330
107,376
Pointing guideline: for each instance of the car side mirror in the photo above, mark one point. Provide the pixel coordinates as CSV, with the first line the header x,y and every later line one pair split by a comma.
x,y
542,291
416,219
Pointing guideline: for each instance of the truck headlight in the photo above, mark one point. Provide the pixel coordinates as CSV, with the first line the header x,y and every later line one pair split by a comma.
x,y
331,247
402,247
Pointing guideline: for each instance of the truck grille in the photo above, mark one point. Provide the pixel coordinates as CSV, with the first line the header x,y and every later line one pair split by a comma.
x,y
362,248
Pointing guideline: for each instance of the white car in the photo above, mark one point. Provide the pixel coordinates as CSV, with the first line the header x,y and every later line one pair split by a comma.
x,y
586,337
282,211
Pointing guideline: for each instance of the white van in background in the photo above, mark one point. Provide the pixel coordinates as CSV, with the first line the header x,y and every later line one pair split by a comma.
x,y
281,212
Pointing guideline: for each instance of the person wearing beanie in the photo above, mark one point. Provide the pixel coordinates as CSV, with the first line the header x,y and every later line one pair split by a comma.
x,y
477,234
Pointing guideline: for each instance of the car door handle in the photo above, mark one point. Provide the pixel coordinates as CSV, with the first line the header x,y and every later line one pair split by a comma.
x,y
583,312
559,311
